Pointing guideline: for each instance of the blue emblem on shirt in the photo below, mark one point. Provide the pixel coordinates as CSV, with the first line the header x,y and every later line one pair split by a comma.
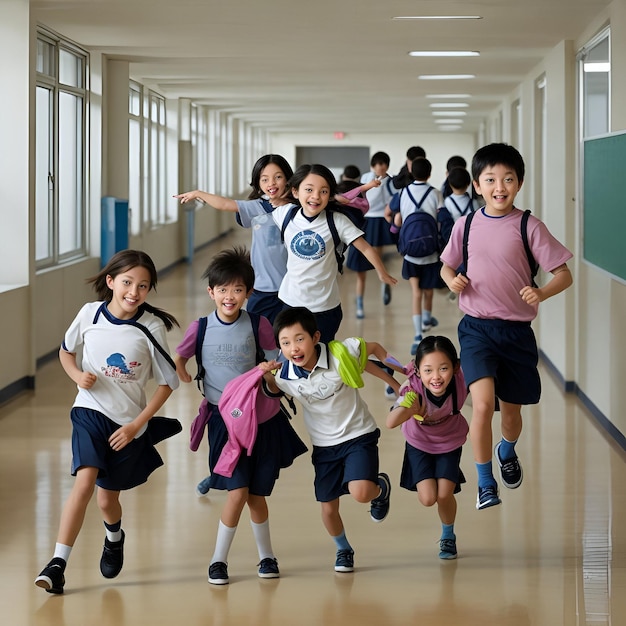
x,y
308,245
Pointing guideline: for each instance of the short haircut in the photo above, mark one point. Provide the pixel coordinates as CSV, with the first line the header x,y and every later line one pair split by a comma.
x,y
456,161
421,168
230,266
459,178
292,316
415,151
380,157
497,154
352,172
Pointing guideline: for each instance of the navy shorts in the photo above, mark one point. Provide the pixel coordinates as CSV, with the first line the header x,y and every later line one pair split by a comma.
x,y
505,351
418,465
277,445
122,469
428,275
265,303
336,466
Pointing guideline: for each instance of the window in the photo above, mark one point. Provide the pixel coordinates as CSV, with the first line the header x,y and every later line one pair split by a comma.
x,y
595,81
60,153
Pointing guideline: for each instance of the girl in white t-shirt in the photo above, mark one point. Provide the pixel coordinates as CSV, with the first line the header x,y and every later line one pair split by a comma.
x,y
111,350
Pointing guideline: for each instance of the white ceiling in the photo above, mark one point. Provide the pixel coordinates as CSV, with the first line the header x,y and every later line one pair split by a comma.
x,y
323,65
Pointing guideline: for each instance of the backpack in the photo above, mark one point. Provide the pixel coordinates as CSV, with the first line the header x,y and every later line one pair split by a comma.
x,y
255,318
445,222
534,266
419,232
339,246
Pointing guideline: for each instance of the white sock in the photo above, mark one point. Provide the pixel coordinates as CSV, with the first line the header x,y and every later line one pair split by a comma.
x,y
417,323
62,551
224,540
261,534
426,315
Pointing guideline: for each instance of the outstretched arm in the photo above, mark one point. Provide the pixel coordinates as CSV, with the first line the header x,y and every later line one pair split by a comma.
x,y
217,202
374,258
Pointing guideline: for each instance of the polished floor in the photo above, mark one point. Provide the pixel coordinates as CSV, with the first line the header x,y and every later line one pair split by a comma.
x,y
553,553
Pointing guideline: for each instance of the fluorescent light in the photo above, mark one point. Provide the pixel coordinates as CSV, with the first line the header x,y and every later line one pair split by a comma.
x,y
448,96
449,121
445,76
596,67
448,113
449,128
448,105
444,53
437,17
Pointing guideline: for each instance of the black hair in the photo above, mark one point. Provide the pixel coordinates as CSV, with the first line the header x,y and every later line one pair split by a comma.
x,y
421,168
347,185
436,343
260,165
380,157
315,168
351,172
415,151
292,316
229,266
459,178
497,154
456,161
123,261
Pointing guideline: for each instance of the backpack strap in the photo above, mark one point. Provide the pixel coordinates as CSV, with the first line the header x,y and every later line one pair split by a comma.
x,y
255,319
465,211
202,324
337,243
288,218
534,267
419,204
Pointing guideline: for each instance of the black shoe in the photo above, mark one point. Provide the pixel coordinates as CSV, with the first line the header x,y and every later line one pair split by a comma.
x,y
112,557
344,561
268,568
379,507
386,294
52,577
510,470
218,573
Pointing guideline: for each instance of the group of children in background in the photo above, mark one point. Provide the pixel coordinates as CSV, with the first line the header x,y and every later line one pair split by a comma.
x,y
293,306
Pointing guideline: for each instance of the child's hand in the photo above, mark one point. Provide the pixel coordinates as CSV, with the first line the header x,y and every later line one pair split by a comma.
x,y
387,278
269,366
183,374
531,295
341,199
187,196
459,283
415,403
86,380
123,436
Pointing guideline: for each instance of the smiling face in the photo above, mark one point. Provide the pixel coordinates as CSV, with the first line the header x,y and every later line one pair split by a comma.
x,y
298,346
313,194
436,371
130,289
273,181
228,300
498,185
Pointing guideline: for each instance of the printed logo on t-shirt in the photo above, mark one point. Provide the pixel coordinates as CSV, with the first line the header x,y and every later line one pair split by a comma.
x,y
308,245
117,367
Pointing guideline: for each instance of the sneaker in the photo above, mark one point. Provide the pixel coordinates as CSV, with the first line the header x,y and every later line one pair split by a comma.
x,y
431,323
268,568
510,470
487,496
202,488
112,557
218,573
379,507
390,394
344,561
52,577
447,549
416,342
386,293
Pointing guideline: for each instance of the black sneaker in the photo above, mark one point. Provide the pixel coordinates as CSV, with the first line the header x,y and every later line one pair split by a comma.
x,y
344,561
268,568
487,496
52,577
380,506
112,557
510,470
386,294
447,549
218,573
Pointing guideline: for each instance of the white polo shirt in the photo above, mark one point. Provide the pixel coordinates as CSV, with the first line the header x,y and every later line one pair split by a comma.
x,y
333,412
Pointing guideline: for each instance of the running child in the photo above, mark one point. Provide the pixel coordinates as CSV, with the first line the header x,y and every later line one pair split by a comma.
x,y
429,413
229,349
269,257
123,345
